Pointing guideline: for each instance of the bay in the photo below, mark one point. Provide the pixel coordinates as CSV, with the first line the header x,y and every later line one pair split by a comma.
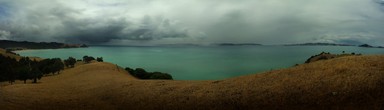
x,y
201,62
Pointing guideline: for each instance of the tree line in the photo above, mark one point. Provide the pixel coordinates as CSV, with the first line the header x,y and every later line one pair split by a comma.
x,y
88,59
27,69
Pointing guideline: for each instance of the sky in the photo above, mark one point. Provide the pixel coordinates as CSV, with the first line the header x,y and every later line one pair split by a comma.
x,y
127,22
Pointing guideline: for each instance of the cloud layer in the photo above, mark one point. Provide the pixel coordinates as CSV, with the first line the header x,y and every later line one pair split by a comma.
x,y
193,21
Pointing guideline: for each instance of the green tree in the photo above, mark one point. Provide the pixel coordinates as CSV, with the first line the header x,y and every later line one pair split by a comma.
x,y
57,66
70,62
45,66
23,73
36,74
7,69
24,69
54,65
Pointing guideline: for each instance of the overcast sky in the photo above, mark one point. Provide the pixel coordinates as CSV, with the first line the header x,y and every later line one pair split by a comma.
x,y
193,21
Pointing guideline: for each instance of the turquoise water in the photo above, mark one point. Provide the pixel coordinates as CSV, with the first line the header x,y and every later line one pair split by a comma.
x,y
202,62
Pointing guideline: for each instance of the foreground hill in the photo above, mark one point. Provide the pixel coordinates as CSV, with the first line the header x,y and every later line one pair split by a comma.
x,y
351,82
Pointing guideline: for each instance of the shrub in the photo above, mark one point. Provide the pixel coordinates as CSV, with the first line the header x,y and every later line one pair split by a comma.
x,y
99,59
159,75
88,59
143,74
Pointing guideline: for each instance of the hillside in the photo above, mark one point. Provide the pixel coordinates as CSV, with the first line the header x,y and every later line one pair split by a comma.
x,y
351,82
15,56
17,45
318,44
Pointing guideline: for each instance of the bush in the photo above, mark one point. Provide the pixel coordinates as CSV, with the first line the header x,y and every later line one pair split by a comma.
x,y
99,59
130,70
159,75
143,74
88,59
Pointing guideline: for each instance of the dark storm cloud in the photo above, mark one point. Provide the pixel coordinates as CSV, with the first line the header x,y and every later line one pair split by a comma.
x,y
193,21
58,22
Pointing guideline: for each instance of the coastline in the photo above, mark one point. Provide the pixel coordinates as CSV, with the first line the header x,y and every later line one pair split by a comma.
x,y
24,45
101,85
207,61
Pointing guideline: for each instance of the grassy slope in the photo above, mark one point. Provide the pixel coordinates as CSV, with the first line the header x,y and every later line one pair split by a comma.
x,y
4,53
353,82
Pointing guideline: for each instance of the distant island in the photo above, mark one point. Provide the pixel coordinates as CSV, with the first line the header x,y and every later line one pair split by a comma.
x,y
333,44
318,44
238,44
20,45
370,46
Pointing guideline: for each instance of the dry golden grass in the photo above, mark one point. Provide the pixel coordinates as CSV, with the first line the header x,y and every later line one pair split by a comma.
x,y
353,82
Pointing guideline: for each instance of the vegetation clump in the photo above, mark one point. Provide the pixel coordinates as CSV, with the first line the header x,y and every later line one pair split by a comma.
x,y
88,59
143,74
99,59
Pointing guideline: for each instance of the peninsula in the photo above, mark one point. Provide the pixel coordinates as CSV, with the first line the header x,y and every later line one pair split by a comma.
x,y
19,45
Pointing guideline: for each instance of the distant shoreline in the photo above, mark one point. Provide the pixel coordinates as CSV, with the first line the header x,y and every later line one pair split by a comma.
x,y
25,45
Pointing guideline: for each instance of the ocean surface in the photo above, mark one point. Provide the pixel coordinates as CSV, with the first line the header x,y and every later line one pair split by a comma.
x,y
201,62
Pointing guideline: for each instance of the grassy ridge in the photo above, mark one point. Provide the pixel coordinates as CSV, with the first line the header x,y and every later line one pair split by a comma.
x,y
351,82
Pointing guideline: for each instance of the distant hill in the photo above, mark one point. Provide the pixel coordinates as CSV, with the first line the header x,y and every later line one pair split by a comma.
x,y
370,46
18,45
238,44
318,44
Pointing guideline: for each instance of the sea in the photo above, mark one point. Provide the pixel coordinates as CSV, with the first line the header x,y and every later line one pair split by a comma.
x,y
202,62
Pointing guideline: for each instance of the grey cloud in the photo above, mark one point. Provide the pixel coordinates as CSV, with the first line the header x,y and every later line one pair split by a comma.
x,y
101,31
347,38
4,34
194,21
67,24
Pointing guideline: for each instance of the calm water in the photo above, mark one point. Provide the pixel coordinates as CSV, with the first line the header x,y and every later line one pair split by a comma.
x,y
201,63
